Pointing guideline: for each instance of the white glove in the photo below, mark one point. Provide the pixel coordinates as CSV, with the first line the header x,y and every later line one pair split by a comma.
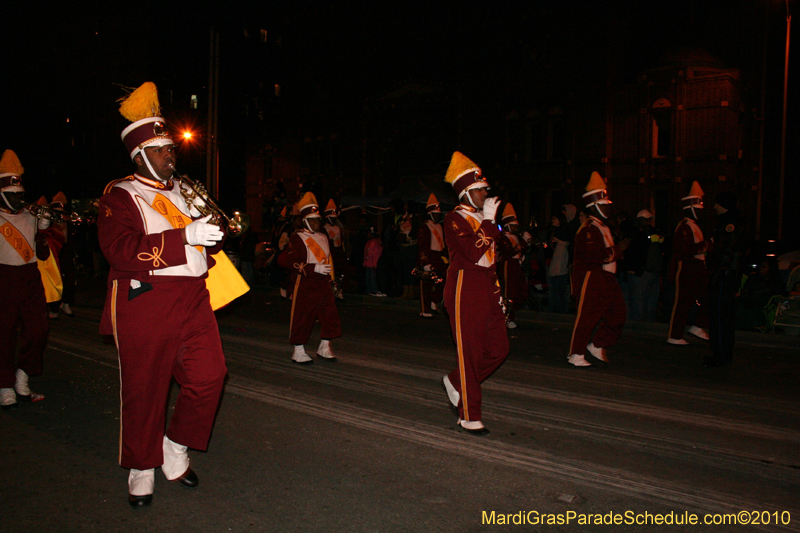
x,y
526,237
321,268
426,268
490,208
43,223
201,233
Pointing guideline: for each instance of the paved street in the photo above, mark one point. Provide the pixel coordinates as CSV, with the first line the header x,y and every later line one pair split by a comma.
x,y
368,444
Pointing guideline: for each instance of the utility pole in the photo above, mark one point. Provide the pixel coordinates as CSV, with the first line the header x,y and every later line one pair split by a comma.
x,y
783,123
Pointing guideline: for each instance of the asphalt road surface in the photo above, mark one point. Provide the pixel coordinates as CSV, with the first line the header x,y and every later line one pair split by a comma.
x,y
368,443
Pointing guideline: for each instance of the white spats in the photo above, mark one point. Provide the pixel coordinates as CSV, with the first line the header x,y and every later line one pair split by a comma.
x,y
599,353
7,398
473,425
700,333
452,393
578,360
141,482
176,460
324,350
511,324
21,384
300,355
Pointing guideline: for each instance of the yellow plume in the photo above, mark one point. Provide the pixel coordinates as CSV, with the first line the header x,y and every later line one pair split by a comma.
x,y
595,182
459,165
509,211
141,103
696,190
9,164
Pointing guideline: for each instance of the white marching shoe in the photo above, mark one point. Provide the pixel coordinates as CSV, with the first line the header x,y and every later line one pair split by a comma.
x,y
598,353
141,484
677,342
300,356
511,324
700,333
578,360
284,294
324,350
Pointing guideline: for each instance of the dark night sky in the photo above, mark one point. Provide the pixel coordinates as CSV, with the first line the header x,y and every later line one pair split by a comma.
x,y
65,62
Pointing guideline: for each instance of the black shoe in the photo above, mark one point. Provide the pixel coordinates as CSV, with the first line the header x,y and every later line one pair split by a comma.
x,y
10,406
137,502
188,480
476,432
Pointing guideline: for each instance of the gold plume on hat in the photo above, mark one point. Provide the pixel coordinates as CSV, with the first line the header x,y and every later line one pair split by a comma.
x,y
9,164
595,182
459,165
41,201
60,198
308,199
331,205
696,190
141,103
509,211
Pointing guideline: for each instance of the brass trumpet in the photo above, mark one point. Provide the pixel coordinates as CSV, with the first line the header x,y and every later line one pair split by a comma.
x,y
431,275
48,213
191,191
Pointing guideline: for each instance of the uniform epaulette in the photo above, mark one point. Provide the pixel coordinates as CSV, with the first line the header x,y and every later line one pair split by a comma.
x,y
115,182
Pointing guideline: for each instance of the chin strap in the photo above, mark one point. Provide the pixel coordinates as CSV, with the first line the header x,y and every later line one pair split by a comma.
x,y
597,207
694,214
469,199
3,194
305,221
150,168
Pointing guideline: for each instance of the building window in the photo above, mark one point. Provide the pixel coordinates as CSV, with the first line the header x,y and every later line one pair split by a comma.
x,y
661,128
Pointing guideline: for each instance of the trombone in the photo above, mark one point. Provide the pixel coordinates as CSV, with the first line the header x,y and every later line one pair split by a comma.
x,y
48,213
207,206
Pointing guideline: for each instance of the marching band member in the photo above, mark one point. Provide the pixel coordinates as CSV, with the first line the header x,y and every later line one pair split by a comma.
x,y
61,233
472,294
158,306
312,292
513,281
334,230
431,257
688,270
280,241
21,289
594,281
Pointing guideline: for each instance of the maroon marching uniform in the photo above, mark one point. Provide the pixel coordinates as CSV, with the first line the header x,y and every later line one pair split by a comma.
x,y
22,296
688,269
472,299
513,281
432,251
312,294
159,312
595,288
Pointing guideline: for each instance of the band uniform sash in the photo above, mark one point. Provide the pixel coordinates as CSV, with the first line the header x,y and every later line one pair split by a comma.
x,y
17,241
317,251
488,257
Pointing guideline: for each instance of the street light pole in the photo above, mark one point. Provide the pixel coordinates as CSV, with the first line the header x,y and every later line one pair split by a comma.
x,y
783,123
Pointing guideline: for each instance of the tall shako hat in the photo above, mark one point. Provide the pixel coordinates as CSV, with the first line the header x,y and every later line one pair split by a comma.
x,y
695,197
308,207
330,209
11,171
509,215
141,107
595,191
433,204
464,175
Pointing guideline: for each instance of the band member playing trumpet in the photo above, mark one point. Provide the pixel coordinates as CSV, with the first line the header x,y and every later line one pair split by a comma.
x,y
513,281
312,285
333,227
158,307
21,290
472,294
431,258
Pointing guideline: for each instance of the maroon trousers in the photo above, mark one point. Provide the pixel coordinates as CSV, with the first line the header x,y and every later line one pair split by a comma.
x,y
472,299
691,285
168,332
430,292
600,302
23,306
312,300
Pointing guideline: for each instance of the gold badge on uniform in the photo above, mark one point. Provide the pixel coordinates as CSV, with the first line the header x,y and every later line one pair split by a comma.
x,y
729,228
